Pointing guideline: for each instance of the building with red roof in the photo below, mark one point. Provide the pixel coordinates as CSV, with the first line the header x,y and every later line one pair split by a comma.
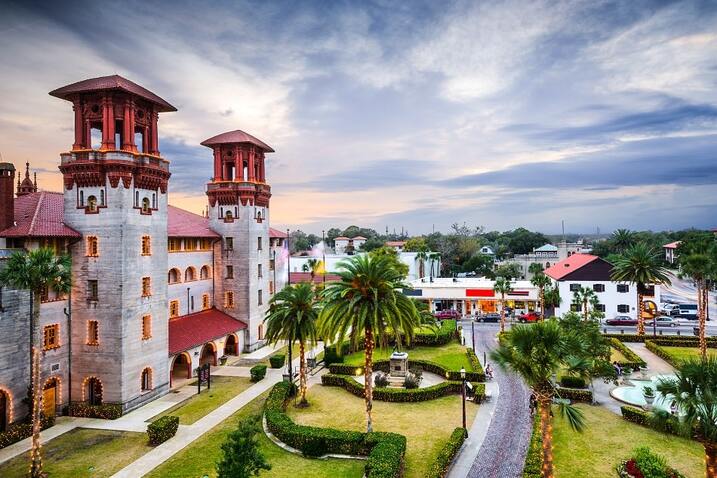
x,y
671,251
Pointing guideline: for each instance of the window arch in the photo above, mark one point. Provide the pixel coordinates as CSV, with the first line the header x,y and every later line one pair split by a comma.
x,y
146,380
102,197
174,277
82,198
92,203
190,274
204,272
6,417
92,390
228,216
547,264
145,205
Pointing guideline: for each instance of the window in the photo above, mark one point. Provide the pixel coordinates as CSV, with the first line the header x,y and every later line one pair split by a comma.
x,y
229,243
145,205
154,200
623,288
259,271
206,245
623,308
93,332
191,302
146,245
190,274
599,287
92,203
92,246
92,290
147,379
174,244
102,197
205,301
51,337
271,264
204,272
574,287
146,327
258,243
230,272
229,299
174,308
146,286
228,217
271,287
45,293
136,199
600,307
191,244
260,298
82,198
174,277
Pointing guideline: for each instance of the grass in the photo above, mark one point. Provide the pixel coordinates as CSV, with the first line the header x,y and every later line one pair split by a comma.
x,y
684,353
198,459
223,389
426,425
452,356
83,452
616,355
608,439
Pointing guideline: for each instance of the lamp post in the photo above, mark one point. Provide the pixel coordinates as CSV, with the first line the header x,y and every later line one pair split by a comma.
x,y
473,335
463,395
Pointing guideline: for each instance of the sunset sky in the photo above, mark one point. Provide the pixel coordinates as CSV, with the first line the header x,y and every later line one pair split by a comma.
x,y
400,114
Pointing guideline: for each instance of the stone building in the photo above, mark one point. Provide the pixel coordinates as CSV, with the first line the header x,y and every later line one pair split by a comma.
x,y
156,290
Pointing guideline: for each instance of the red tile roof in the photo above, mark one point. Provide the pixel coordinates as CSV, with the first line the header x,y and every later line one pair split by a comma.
x,y
276,233
297,277
395,243
672,245
341,238
195,329
40,214
181,223
560,269
236,136
113,82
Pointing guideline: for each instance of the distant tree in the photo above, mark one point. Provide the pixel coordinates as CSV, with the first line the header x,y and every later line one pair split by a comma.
x,y
332,234
481,264
299,241
393,259
510,270
622,239
415,244
241,455
312,266
434,260
502,287
535,268
372,243
552,299
523,241
422,257
586,300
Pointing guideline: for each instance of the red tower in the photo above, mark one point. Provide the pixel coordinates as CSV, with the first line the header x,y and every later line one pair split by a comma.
x,y
7,198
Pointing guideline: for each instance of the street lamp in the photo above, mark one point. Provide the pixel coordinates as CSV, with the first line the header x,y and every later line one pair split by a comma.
x,y
463,395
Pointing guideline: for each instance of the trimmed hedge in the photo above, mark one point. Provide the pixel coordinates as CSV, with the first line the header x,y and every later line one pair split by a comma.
x,y
386,394
107,411
257,372
633,361
439,466
277,360
162,429
384,364
575,394
19,431
534,457
385,450
572,382
474,361
670,340
655,346
641,417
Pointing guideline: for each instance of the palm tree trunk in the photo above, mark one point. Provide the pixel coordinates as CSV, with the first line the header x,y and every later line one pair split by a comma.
x,y
502,314
585,309
368,377
710,460
302,374
542,303
35,451
640,313
702,315
546,431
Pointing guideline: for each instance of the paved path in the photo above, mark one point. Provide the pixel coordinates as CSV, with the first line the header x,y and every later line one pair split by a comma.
x,y
502,452
655,365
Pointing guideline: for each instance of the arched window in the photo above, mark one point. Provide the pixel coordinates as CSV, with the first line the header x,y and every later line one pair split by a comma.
x,y
145,205
147,379
547,264
5,410
136,199
154,200
102,197
229,216
190,274
204,272
174,276
82,198
93,391
92,203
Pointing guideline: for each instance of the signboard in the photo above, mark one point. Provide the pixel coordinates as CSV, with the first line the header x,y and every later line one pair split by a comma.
x,y
480,293
204,376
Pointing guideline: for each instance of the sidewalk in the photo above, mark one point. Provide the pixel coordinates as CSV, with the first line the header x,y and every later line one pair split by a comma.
x,y
655,364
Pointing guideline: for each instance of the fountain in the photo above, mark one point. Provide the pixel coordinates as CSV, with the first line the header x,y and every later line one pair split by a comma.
x,y
635,394
398,368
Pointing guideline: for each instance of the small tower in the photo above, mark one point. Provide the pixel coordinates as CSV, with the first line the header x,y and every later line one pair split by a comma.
x,y
7,198
115,195
26,186
239,211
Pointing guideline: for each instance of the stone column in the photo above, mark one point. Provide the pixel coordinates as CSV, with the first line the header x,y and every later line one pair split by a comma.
x,y
128,127
105,123
110,124
251,166
145,139
154,143
217,163
79,124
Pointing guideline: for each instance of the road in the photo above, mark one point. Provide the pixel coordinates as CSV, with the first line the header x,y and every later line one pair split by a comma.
x,y
685,329
683,290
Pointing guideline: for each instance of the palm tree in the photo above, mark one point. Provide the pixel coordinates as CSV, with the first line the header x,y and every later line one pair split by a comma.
x,y
541,281
640,265
433,258
292,317
585,299
623,239
421,257
551,296
36,271
536,353
311,266
366,303
535,268
693,390
695,262
502,287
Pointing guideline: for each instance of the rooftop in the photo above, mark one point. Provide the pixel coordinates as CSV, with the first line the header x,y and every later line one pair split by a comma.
x,y
672,245
276,233
560,269
236,136
195,329
297,277
113,82
466,282
547,248
181,223
39,214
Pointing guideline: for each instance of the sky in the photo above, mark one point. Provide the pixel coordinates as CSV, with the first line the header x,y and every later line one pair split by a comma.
x,y
404,114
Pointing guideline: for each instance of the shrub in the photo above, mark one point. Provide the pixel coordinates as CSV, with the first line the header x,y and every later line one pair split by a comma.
x,y
425,365
632,361
575,394
107,411
653,347
646,464
257,372
241,455
669,340
162,429
641,417
277,360
572,382
381,380
411,381
19,431
439,467
534,457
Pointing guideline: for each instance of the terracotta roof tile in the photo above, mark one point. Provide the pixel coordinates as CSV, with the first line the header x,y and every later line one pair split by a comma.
x,y
195,329
560,269
276,233
236,136
40,214
113,82
181,223
297,277
672,245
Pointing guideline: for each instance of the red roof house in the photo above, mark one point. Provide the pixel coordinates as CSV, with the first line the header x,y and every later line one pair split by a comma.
x,y
199,328
580,267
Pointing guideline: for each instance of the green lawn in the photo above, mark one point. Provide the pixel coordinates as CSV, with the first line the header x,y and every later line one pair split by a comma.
x,y
684,353
198,459
609,438
452,356
83,452
223,389
616,355
426,425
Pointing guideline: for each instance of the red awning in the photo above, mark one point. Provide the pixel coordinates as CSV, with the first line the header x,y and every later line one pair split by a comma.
x,y
195,329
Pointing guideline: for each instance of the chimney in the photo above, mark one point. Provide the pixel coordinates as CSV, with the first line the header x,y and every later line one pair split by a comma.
x,y
7,195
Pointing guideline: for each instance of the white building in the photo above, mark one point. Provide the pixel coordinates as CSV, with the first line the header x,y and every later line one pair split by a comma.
x,y
348,245
333,260
671,251
546,255
397,245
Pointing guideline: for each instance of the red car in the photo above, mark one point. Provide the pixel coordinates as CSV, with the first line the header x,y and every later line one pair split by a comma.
x,y
621,320
447,314
529,317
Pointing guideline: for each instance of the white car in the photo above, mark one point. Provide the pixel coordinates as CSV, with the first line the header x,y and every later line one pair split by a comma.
x,y
667,308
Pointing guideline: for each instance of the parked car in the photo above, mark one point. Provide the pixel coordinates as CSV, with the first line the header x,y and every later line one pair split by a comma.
x,y
664,321
447,314
685,311
667,307
529,317
621,320
490,317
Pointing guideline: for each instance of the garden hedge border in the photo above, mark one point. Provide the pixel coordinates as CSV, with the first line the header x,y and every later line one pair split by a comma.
x,y
162,429
575,394
534,457
439,467
675,340
641,417
106,411
633,360
19,431
258,372
385,451
277,360
570,381
426,365
386,394
655,346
